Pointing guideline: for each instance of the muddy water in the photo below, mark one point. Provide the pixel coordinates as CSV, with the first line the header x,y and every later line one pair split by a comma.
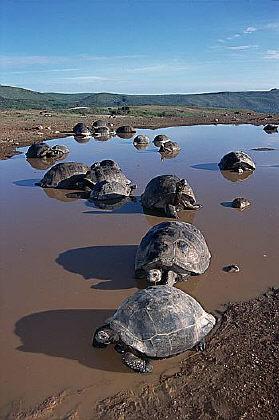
x,y
66,265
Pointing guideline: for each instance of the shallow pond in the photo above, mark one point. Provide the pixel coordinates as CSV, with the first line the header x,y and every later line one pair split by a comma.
x,y
66,265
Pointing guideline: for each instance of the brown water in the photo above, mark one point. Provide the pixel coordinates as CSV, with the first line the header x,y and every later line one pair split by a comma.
x,y
66,265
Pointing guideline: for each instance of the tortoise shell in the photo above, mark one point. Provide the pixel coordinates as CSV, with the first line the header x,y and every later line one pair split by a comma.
x,y
108,170
111,190
233,160
65,175
160,139
38,150
161,191
175,246
80,129
161,321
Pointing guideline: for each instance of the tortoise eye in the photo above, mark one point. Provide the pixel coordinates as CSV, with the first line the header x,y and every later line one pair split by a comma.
x,y
182,245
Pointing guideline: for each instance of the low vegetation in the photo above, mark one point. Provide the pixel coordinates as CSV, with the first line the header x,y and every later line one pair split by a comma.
x,y
18,98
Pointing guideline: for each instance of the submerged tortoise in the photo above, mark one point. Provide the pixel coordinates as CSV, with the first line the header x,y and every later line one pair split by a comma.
x,y
99,123
169,194
169,147
141,139
59,150
271,128
171,252
110,195
80,129
140,146
110,190
160,139
155,323
108,170
125,129
237,162
68,175
101,131
38,150
44,151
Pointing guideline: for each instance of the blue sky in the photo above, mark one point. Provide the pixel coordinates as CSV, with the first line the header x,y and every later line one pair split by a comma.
x,y
139,46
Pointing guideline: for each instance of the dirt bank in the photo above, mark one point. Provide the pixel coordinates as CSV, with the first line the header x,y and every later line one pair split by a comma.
x,y
235,378
21,128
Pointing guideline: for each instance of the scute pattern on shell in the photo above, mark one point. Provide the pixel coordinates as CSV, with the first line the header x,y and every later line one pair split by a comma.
x,y
38,150
64,175
160,139
109,190
169,147
101,131
108,170
99,123
160,191
141,139
175,246
125,129
230,160
80,129
161,321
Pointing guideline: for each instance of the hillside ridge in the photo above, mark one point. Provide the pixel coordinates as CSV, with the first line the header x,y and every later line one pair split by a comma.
x,y
20,98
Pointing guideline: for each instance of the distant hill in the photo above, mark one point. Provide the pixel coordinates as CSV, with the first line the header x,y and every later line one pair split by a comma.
x,y
260,101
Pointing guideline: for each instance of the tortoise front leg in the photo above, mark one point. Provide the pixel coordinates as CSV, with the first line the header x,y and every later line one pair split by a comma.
x,y
120,348
171,278
136,363
190,206
171,211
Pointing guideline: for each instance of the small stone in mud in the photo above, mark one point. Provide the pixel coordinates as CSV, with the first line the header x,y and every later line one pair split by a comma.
x,y
240,203
233,268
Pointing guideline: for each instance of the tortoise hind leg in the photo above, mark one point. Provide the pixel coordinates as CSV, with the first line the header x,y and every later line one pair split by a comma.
x,y
136,363
201,345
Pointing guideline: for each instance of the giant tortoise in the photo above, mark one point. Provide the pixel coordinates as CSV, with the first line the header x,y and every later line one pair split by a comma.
x,y
155,323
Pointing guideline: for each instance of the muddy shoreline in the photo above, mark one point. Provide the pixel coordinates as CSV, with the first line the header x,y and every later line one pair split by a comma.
x,y
22,128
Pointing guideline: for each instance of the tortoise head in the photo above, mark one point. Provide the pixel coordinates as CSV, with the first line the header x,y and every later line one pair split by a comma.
x,y
154,276
181,192
180,185
103,337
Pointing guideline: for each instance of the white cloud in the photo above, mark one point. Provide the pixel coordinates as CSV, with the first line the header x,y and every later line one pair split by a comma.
x,y
88,78
272,55
153,68
229,38
250,30
241,47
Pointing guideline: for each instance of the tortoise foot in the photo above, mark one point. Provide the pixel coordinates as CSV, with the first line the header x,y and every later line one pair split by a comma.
x,y
136,363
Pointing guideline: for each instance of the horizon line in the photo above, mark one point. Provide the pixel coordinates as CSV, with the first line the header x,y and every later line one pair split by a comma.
x,y
141,94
